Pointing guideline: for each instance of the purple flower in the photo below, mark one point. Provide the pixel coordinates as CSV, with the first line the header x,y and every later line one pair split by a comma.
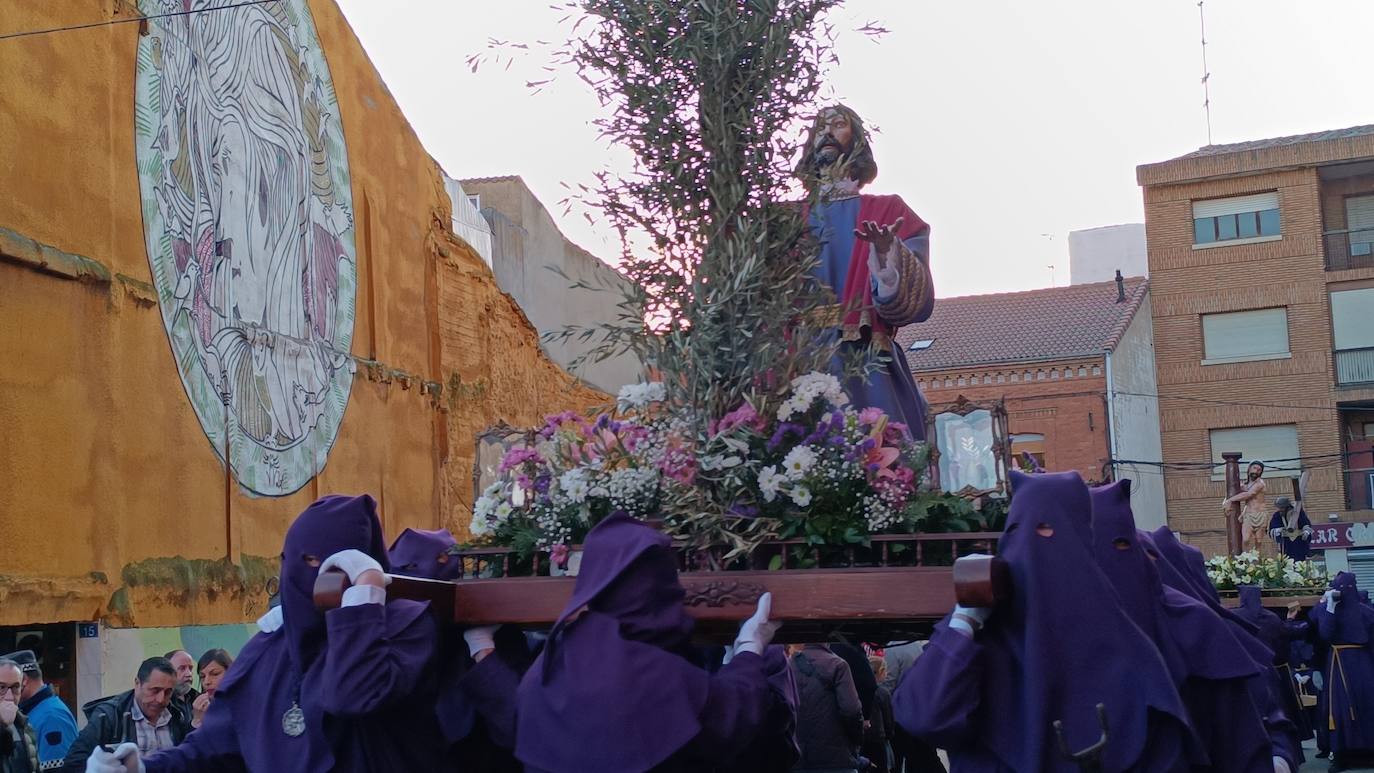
x,y
785,429
744,511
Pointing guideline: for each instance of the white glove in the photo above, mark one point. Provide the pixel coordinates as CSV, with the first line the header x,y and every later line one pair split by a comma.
x,y
483,637
757,632
1276,533
889,279
352,563
1303,678
969,620
270,621
124,759
1329,599
8,711
1281,765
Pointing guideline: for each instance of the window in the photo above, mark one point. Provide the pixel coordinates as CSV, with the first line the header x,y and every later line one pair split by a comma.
x,y
1236,219
1264,444
1359,222
917,346
1032,443
476,201
1353,334
1238,336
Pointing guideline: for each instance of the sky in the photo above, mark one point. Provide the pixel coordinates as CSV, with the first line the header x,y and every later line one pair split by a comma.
x,y
1004,124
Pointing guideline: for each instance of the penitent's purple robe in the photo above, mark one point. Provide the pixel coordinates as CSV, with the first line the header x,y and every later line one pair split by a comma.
x,y
615,690
1346,707
366,688
1057,648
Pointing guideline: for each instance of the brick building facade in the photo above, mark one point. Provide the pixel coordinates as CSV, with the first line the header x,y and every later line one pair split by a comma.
x,y
1053,357
1263,286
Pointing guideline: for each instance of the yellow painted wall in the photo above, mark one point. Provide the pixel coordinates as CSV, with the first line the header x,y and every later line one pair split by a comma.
x,y
115,503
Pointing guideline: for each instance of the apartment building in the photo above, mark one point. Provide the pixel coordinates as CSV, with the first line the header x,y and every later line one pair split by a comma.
x,y
1261,260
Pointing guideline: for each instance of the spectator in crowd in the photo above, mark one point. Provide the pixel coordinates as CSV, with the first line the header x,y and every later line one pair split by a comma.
x,y
147,717
830,722
878,734
211,668
185,691
18,747
52,722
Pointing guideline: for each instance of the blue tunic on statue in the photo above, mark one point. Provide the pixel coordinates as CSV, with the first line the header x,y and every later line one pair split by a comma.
x,y
888,384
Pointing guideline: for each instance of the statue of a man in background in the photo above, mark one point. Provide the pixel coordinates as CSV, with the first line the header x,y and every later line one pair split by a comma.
x,y
874,254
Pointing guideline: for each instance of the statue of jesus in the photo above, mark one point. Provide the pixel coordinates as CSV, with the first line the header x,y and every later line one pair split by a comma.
x,y
874,255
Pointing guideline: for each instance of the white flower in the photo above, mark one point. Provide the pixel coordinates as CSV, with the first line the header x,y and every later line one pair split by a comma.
x,y
503,512
574,485
798,462
484,507
770,480
805,390
640,395
801,496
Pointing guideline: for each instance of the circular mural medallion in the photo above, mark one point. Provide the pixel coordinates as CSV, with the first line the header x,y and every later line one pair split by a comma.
x,y
248,217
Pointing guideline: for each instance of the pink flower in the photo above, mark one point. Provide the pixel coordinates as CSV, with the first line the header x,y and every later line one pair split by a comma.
x,y
518,456
743,416
871,415
559,555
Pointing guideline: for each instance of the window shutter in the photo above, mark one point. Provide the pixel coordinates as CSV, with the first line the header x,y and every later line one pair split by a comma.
x,y
1236,205
1264,444
1359,213
1241,334
1351,315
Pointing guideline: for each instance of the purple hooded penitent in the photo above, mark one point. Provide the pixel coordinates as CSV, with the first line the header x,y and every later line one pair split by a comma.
x,y
1211,667
1268,626
1183,568
614,690
1346,706
1058,647
361,675
425,553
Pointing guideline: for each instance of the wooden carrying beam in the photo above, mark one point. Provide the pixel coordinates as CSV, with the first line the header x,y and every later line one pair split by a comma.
x,y
810,602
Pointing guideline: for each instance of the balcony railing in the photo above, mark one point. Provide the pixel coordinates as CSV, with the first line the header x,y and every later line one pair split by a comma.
x,y
1349,249
1355,366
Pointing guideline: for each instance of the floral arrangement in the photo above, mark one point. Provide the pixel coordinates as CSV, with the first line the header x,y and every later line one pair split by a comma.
x,y
801,463
1249,568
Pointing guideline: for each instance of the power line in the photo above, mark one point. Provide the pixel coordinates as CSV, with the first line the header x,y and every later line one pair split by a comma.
x,y
1320,460
1243,403
110,22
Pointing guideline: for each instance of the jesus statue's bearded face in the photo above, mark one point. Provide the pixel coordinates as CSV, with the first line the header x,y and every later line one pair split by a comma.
x,y
835,138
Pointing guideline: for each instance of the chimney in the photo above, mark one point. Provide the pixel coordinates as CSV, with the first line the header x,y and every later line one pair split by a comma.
x,y
1120,287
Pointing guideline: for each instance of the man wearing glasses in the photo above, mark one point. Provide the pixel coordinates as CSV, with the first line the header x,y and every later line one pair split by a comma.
x,y
18,748
52,722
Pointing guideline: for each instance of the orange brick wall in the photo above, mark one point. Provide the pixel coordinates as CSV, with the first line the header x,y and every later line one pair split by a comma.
x,y
1070,411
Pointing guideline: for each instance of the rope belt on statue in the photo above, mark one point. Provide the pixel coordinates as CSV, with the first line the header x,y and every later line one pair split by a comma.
x,y
1339,667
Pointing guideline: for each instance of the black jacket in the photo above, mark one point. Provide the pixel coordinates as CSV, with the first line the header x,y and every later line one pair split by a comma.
x,y
829,716
110,721
18,747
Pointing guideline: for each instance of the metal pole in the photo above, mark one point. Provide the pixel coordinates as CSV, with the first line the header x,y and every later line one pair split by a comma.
x,y
1233,542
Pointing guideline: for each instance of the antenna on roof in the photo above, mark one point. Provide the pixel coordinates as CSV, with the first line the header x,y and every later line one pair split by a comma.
x,y
1206,93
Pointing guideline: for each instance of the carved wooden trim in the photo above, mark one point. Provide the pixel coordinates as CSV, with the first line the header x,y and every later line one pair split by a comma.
x,y
720,593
